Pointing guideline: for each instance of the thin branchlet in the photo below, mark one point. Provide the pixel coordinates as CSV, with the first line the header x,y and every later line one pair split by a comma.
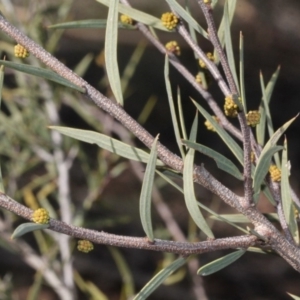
x,y
182,248
246,132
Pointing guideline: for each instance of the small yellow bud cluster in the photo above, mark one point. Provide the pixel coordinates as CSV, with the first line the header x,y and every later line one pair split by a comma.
x,y
209,126
126,20
20,51
40,216
210,57
275,173
207,1
85,246
253,118
173,47
169,20
198,78
230,108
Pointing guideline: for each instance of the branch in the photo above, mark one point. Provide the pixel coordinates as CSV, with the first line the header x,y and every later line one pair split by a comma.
x,y
213,37
181,248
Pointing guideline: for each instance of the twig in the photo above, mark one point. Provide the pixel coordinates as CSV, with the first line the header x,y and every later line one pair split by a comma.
x,y
275,189
181,248
213,37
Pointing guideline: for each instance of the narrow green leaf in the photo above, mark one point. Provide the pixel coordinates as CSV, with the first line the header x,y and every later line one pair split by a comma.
x,y
171,182
257,250
82,24
194,129
159,278
271,84
222,162
172,107
263,163
27,227
110,50
294,296
213,214
261,127
239,218
39,72
186,16
228,140
181,117
106,142
189,194
132,64
1,81
146,193
262,167
214,3
228,44
266,106
242,73
137,15
221,31
287,202
220,263
191,28
92,23
124,271
267,93
84,64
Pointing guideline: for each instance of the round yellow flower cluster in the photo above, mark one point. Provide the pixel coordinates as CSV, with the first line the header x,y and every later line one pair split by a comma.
x,y
173,47
275,173
126,20
169,20
40,216
253,118
207,1
230,108
210,57
198,78
20,51
85,246
209,126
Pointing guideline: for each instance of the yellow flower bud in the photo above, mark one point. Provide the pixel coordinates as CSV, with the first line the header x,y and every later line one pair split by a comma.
x,y
169,20
253,118
209,56
40,216
275,173
230,108
198,78
85,246
20,51
173,47
209,126
126,20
